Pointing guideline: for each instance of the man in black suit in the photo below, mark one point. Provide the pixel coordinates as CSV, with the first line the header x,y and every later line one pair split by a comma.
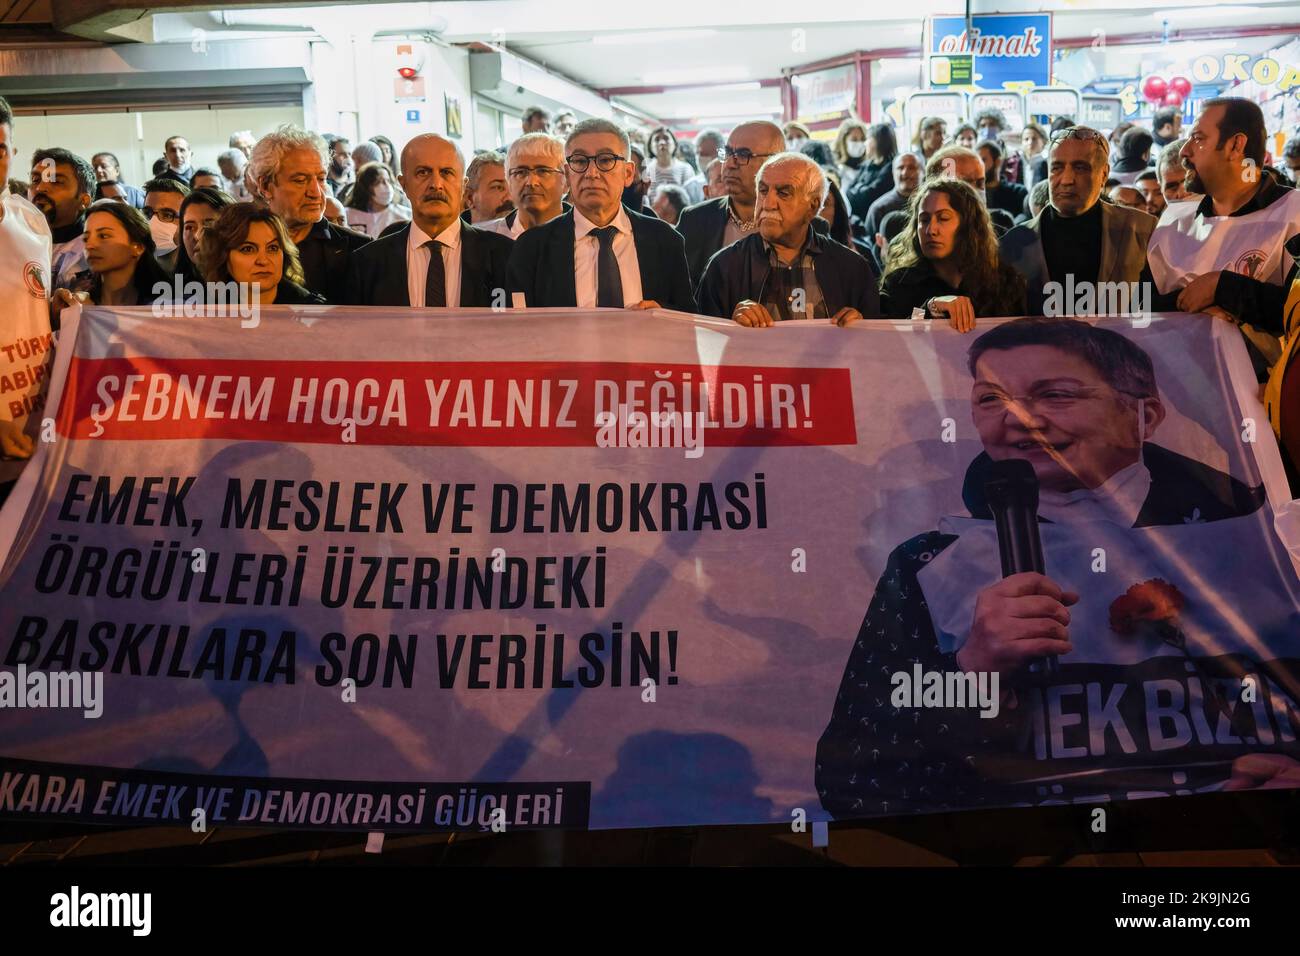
x,y
401,267
288,166
717,223
600,253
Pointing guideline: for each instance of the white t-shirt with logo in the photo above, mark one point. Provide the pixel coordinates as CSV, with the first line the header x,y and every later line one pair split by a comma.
x,y
26,342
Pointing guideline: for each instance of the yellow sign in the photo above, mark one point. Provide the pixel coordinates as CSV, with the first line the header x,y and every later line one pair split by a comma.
x,y
1238,67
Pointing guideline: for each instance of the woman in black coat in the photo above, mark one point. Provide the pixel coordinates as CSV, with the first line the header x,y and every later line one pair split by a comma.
x,y
945,261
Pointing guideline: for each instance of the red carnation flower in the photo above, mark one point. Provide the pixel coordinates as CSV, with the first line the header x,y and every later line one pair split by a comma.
x,y
1152,603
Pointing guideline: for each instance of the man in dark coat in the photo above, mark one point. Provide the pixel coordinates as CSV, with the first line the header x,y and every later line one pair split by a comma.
x,y
600,253
788,270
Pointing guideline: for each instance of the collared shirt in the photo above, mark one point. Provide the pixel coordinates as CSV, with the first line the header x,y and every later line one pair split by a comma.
x,y
508,225
586,251
417,263
792,291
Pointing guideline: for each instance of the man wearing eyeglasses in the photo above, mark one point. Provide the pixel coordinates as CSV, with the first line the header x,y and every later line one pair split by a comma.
x,y
600,254
1077,239
162,207
717,223
535,179
437,260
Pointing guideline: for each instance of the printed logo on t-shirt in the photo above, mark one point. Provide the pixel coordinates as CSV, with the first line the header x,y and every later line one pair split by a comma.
x,y
34,279
1249,262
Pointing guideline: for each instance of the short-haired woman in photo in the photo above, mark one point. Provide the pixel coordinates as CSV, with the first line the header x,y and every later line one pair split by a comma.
x,y
248,244
946,261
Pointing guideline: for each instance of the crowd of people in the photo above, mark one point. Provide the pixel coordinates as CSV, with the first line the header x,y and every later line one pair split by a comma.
x,y
759,225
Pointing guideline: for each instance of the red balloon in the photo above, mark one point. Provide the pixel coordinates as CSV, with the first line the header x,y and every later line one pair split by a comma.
x,y
1181,85
1173,99
1154,89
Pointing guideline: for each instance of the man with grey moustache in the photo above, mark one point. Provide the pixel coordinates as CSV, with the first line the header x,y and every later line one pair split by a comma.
x,y
717,223
437,260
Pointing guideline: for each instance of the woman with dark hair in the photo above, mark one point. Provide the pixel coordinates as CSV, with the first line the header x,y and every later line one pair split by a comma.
x,y
966,135
249,245
666,167
946,261
876,176
372,204
120,252
198,211
391,159
821,155
836,213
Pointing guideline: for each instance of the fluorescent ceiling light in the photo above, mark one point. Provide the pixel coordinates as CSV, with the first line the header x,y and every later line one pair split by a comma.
x,y
1202,13
650,36
704,75
748,87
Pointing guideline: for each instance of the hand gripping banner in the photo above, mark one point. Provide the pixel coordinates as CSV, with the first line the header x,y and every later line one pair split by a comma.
x,y
405,570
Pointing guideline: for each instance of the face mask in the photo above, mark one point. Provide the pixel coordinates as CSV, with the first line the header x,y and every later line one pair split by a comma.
x,y
382,195
796,144
164,236
857,148
988,133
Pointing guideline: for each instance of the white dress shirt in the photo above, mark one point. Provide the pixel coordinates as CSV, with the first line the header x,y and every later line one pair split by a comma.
x,y
508,225
417,263
586,251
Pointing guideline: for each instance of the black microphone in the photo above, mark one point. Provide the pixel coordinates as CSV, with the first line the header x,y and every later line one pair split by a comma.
x,y
1011,490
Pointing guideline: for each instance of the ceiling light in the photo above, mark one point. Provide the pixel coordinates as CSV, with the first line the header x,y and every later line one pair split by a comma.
x,y
650,36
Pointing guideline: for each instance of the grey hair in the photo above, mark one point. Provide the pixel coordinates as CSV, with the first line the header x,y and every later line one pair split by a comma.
x,y
710,135
270,151
816,185
537,142
598,125
1169,156
235,156
236,136
475,171
369,152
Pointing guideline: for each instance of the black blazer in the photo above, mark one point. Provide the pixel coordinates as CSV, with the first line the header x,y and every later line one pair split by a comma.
x,y
377,272
703,227
324,254
541,264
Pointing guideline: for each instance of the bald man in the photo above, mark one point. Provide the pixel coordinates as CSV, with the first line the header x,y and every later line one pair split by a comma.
x,y
716,223
437,260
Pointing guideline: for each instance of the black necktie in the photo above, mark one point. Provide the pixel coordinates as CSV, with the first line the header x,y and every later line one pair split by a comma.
x,y
435,280
609,283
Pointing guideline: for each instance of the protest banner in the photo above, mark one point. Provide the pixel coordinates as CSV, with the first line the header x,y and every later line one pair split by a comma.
x,y
405,570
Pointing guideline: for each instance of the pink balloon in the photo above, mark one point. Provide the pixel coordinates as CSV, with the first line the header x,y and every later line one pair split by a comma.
x,y
1173,99
1181,85
1154,89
